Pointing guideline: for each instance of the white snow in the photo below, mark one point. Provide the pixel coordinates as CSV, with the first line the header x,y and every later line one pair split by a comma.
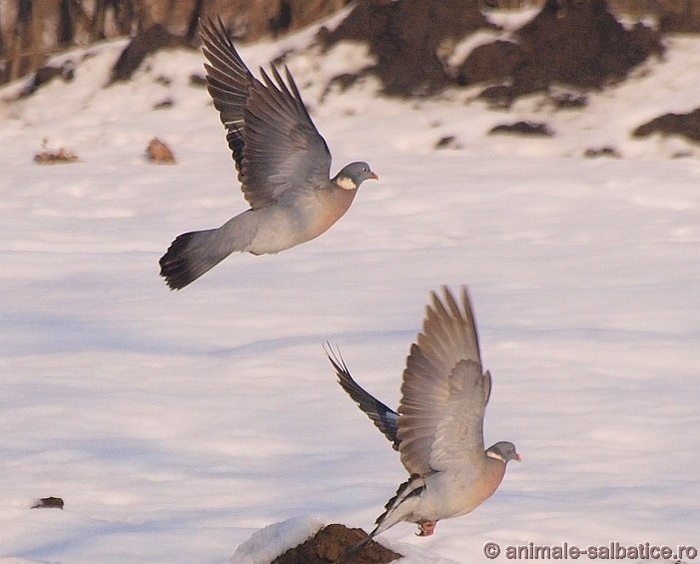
x,y
176,425
270,542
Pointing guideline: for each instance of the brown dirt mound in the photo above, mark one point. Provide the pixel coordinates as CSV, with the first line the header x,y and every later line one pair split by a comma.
x,y
568,42
407,38
581,43
685,125
158,152
332,543
55,157
575,43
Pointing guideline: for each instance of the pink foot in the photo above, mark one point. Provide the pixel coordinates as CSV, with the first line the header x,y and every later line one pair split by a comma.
x,y
427,528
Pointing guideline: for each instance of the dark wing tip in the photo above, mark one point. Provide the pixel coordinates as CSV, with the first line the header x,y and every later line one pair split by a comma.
x,y
383,417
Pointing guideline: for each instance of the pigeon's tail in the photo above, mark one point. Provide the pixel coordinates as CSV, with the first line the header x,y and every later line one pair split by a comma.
x,y
401,506
192,254
397,509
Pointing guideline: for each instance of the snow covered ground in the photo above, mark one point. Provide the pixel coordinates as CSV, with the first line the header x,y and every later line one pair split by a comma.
x,y
176,425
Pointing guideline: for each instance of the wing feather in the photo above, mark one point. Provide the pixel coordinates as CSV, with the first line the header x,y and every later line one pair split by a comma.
x,y
459,439
383,417
273,141
440,387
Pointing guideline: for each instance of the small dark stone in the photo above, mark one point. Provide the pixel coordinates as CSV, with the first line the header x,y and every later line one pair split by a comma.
x,y
344,81
568,100
48,503
602,152
167,103
198,81
524,128
448,142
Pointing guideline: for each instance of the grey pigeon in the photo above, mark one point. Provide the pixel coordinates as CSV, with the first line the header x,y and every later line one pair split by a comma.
x,y
438,429
283,165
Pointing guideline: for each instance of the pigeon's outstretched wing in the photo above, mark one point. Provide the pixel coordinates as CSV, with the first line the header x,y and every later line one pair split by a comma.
x,y
228,82
275,145
384,418
444,391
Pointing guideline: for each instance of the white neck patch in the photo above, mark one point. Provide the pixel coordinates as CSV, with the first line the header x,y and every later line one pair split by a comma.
x,y
346,183
495,455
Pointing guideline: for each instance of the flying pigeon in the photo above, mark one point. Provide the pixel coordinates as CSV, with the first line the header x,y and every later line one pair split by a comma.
x,y
438,429
283,165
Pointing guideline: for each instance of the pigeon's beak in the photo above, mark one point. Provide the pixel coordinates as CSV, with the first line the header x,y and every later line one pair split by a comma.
x,y
517,457
373,176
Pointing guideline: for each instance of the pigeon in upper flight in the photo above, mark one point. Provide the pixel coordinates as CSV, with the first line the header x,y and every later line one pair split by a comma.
x,y
438,429
283,165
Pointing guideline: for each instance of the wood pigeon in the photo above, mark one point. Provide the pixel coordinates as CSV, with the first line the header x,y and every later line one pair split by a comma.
x,y
438,429
283,165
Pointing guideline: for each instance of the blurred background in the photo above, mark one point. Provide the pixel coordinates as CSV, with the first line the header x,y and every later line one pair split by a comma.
x,y
31,30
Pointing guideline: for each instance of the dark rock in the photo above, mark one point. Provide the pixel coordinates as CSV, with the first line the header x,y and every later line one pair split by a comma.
x,y
573,42
568,42
581,44
679,17
406,38
48,503
163,104
332,543
492,61
499,96
685,125
46,74
343,82
154,38
448,142
198,81
567,100
602,152
524,128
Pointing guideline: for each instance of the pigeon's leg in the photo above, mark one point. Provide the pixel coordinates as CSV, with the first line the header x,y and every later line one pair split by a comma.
x,y
427,528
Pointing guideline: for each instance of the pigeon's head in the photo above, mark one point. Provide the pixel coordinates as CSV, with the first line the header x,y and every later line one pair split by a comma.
x,y
503,451
354,174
